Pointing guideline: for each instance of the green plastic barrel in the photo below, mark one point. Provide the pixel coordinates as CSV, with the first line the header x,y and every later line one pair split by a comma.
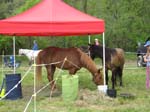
x,y
69,87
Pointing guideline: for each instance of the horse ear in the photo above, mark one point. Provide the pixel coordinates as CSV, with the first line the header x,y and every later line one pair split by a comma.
x,y
98,70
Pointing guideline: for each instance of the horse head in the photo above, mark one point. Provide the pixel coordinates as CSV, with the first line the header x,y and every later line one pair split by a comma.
x,y
95,51
27,52
98,77
21,52
91,49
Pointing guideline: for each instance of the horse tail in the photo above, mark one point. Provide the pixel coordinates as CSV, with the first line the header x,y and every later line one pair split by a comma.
x,y
121,57
39,67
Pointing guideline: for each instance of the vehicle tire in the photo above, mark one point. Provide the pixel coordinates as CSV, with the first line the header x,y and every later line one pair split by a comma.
x,y
139,61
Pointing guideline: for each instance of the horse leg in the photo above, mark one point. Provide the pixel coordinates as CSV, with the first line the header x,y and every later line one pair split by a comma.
x,y
53,84
113,78
106,73
120,76
72,71
50,74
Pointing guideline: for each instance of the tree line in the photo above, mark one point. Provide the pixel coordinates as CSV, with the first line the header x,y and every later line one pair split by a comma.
x,y
126,23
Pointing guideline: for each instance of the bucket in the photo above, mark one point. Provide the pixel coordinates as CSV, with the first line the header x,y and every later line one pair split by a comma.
x,y
69,87
11,81
102,88
112,93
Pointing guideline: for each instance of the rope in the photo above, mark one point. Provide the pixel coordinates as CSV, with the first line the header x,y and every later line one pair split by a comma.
x,y
28,104
73,64
23,78
49,82
134,53
34,95
16,84
57,76
49,64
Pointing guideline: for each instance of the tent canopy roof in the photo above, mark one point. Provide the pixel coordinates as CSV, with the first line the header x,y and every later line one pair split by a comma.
x,y
51,18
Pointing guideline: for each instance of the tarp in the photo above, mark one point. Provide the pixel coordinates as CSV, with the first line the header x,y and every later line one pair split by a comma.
x,y
51,18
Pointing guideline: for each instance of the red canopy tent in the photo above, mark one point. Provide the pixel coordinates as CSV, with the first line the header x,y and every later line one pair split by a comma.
x,y
51,18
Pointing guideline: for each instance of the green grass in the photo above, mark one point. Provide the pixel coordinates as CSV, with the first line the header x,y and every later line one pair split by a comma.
x,y
89,100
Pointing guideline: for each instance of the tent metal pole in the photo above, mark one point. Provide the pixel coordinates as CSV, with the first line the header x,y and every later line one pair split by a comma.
x,y
14,52
34,85
89,43
2,67
89,38
104,58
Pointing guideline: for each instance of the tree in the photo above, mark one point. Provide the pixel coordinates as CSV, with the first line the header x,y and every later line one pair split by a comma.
x,y
9,8
3,7
125,22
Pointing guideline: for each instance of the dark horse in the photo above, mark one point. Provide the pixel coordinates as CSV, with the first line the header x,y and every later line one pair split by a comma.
x,y
114,61
74,59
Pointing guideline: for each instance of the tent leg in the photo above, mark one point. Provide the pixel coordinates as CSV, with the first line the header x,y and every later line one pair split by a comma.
x,y
104,58
34,85
89,38
14,52
89,43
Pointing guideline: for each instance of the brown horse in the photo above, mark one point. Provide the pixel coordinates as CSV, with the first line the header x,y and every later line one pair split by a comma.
x,y
114,59
75,59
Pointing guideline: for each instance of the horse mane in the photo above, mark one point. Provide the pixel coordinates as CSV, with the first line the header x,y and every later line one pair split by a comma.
x,y
84,48
87,62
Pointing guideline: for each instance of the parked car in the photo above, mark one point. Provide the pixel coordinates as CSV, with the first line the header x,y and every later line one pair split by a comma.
x,y
141,51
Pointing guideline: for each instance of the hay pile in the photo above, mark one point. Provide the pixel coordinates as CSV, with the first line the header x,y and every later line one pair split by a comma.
x,y
92,97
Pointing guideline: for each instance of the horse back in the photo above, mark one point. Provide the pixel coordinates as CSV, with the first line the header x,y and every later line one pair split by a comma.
x,y
55,54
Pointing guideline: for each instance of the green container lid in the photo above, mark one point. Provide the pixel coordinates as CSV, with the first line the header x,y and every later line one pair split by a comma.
x,y
69,87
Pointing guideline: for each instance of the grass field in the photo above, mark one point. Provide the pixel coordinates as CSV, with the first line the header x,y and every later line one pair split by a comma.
x,y
89,100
